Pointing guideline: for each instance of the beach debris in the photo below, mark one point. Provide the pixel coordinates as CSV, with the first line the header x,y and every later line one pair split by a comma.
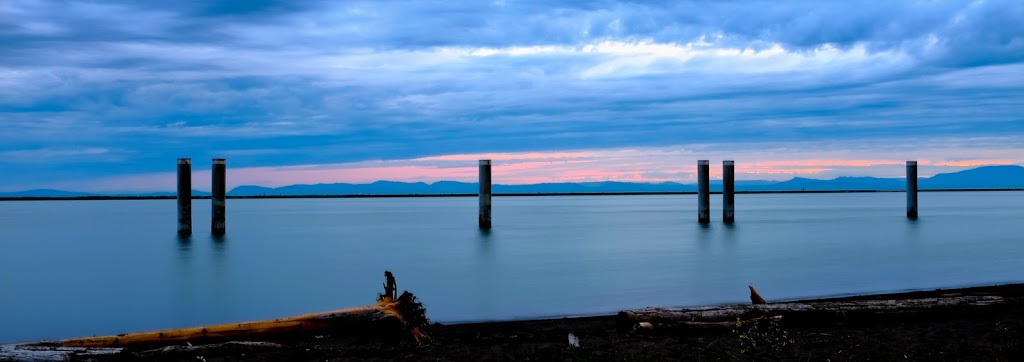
x,y
202,347
414,316
27,352
643,325
401,318
574,341
382,319
823,312
390,287
754,297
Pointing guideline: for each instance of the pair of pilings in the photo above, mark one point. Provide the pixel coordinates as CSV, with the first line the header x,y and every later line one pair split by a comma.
x,y
729,191
217,223
704,191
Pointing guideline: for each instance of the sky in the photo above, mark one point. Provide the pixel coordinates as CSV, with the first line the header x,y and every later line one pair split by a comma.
x,y
104,96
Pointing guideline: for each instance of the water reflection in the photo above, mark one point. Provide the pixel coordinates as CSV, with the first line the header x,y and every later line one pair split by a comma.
x,y
220,291
484,271
551,256
184,247
729,233
703,236
911,229
220,253
182,281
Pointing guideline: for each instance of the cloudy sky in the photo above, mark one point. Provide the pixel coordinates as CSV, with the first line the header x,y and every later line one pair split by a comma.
x,y
105,96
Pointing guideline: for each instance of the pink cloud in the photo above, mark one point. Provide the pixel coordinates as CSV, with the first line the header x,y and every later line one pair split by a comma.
x,y
824,163
633,165
970,163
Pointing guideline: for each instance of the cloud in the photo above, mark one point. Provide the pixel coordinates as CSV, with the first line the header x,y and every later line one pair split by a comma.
x,y
651,164
34,155
329,82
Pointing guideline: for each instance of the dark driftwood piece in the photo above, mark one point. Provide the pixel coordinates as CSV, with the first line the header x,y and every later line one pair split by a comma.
x,y
754,297
824,312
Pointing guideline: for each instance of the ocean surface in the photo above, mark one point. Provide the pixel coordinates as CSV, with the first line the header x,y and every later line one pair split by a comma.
x,y
83,268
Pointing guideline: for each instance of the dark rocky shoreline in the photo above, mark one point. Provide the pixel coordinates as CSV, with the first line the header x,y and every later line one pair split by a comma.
x,y
989,334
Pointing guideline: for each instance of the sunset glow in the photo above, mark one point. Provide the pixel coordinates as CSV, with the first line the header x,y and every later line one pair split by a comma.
x,y
628,165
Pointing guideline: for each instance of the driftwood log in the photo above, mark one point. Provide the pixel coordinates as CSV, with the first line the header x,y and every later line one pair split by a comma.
x,y
22,352
376,318
807,313
380,319
403,318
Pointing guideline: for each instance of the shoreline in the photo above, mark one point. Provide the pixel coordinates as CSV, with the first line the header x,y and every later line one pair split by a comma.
x,y
950,332
544,194
974,289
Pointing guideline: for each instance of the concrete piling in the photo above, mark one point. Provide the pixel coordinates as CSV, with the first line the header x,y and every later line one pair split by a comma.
x,y
184,196
703,192
728,191
485,194
217,225
912,189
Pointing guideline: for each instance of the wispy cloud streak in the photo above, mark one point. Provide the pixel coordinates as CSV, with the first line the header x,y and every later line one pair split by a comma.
x,y
665,164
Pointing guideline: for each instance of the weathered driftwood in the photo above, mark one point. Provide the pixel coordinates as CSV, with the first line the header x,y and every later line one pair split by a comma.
x,y
754,297
205,347
19,352
810,312
400,318
377,318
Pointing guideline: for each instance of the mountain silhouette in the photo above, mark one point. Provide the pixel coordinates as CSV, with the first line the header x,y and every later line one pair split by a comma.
x,y
45,193
1010,176
985,177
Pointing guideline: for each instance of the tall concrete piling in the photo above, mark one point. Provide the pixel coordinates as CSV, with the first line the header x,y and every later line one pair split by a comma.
x,y
703,192
728,191
912,189
217,224
184,196
485,194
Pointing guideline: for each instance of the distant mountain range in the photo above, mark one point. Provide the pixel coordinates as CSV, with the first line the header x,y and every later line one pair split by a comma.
x,y
43,193
987,177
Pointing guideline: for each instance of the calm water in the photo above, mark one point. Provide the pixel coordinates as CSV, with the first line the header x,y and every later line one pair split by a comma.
x,y
81,268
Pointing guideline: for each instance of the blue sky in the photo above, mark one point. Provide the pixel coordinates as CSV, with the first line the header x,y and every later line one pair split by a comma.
x,y
105,96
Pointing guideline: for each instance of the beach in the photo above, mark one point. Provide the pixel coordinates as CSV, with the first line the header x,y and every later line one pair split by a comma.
x,y
988,333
